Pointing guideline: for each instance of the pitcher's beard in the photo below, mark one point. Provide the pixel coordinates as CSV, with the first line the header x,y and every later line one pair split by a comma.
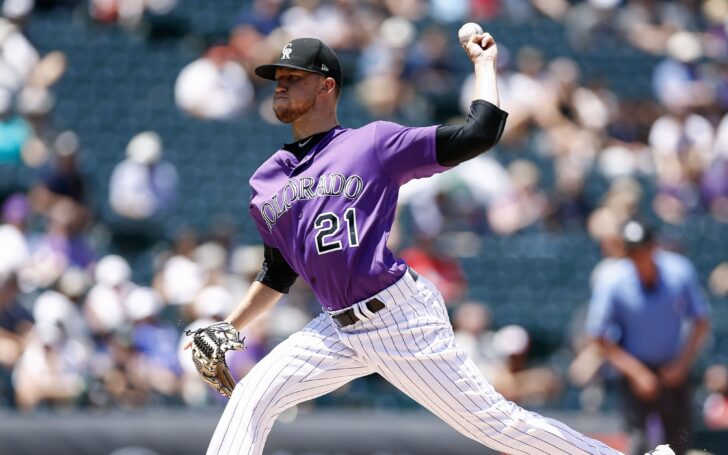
x,y
291,112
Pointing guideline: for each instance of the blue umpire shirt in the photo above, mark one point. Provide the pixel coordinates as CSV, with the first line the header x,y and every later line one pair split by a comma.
x,y
647,323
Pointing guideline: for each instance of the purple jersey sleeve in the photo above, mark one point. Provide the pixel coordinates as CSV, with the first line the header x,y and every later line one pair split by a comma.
x,y
406,153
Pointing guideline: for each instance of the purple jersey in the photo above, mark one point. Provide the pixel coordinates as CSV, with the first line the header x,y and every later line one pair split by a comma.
x,y
330,213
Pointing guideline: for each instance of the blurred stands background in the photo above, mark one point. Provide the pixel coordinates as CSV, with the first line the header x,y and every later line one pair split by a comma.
x,y
129,129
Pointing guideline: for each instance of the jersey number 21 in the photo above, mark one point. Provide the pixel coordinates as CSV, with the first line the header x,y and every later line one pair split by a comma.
x,y
327,225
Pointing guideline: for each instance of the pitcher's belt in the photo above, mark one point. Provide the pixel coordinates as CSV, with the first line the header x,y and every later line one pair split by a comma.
x,y
348,317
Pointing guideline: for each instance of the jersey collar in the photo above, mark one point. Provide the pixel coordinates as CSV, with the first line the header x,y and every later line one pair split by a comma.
x,y
301,148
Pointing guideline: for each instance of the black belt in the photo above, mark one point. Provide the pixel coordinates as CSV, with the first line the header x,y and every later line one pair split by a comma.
x,y
348,317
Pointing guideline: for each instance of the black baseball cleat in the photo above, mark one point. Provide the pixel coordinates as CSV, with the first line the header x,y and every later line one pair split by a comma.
x,y
661,450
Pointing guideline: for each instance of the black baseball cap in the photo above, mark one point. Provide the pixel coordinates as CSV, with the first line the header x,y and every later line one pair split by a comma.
x,y
636,233
308,54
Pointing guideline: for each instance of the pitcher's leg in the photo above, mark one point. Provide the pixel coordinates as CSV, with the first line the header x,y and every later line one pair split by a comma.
x,y
413,348
308,364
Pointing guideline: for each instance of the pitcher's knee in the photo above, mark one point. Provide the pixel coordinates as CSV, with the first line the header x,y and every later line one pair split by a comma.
x,y
254,406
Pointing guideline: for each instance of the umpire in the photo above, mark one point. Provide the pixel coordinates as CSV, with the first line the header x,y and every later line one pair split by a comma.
x,y
650,317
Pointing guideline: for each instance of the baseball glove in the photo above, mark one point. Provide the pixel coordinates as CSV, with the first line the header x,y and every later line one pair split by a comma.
x,y
209,345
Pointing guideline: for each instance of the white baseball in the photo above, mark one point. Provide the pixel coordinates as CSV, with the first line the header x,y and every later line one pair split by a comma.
x,y
468,30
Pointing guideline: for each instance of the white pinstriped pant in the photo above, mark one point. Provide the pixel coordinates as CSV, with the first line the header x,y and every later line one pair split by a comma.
x,y
411,344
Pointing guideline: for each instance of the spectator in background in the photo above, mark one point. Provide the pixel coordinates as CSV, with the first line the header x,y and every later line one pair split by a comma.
x,y
16,323
250,35
215,86
485,9
244,262
180,276
603,226
714,189
17,10
430,257
682,144
675,81
526,88
128,13
14,130
228,275
64,178
528,204
13,236
118,378
623,198
637,313
155,343
473,334
591,23
715,407
104,306
648,24
212,259
36,102
510,373
52,367
23,87
714,181
25,81
716,38
143,185
61,179
569,207
17,57
449,11
490,196
262,17
381,89
64,245
429,66
718,281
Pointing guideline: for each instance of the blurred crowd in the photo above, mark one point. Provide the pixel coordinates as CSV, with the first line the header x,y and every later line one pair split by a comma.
x,y
78,326
77,330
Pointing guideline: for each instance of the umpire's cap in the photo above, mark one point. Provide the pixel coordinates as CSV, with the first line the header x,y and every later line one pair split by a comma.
x,y
308,54
636,233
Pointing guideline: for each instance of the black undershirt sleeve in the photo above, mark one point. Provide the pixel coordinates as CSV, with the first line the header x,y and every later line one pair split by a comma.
x,y
483,129
275,271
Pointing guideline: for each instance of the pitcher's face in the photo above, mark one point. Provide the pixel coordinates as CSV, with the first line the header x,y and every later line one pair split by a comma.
x,y
295,94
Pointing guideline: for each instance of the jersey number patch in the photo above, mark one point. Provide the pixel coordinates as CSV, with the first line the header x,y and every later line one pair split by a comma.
x,y
327,225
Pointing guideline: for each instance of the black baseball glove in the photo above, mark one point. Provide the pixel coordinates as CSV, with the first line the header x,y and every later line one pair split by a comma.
x,y
209,345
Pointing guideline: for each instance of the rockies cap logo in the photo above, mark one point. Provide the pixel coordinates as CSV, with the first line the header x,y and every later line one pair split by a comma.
x,y
286,52
306,54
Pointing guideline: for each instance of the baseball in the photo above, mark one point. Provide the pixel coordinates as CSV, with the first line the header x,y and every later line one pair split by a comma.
x,y
467,30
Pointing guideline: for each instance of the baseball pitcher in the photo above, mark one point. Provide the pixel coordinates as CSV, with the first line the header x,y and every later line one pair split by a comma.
x,y
324,205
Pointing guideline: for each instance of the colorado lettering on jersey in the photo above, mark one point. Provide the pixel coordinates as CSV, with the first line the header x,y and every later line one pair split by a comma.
x,y
304,188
